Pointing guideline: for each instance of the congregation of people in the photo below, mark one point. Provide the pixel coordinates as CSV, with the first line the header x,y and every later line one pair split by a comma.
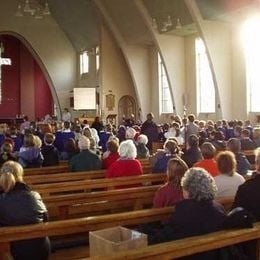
x,y
202,161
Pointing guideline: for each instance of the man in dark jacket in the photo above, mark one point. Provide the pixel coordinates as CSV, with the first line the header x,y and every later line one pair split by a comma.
x,y
85,160
149,128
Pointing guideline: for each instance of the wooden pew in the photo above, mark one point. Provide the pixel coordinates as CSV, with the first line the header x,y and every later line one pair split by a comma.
x,y
101,202
46,170
70,176
82,225
191,245
104,183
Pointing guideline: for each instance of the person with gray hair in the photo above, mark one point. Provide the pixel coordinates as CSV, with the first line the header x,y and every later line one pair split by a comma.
x,y
126,165
85,160
142,150
197,214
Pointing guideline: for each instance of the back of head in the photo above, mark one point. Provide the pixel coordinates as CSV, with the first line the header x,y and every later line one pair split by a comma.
x,y
130,133
176,168
245,133
83,143
208,150
6,147
29,140
199,184
49,138
10,173
193,141
127,150
226,163
191,118
234,145
171,146
37,141
112,146
142,139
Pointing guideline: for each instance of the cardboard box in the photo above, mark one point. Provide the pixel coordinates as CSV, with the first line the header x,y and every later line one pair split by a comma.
x,y
112,240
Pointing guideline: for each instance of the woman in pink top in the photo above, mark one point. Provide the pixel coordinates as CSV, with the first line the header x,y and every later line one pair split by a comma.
x,y
171,192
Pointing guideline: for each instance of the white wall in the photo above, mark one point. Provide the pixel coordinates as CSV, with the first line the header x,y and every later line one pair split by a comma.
x,y
114,74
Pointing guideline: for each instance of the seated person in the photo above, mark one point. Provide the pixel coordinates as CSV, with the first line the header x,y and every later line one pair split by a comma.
x,y
111,155
70,149
6,153
197,214
246,141
171,192
85,160
171,150
30,155
49,151
243,164
228,180
126,165
248,194
192,154
208,162
22,206
142,150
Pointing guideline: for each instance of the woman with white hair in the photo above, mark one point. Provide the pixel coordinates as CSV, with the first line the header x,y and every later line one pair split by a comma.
x,y
126,165
85,160
198,213
142,150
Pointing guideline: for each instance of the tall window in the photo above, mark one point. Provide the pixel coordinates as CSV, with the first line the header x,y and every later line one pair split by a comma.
x,y
204,82
251,40
165,97
84,62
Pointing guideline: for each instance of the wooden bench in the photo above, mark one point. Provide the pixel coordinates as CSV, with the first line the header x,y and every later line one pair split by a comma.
x,y
70,176
101,202
83,225
191,245
46,170
104,183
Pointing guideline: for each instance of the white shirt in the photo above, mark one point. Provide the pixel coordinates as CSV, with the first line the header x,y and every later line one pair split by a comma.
x,y
66,116
228,185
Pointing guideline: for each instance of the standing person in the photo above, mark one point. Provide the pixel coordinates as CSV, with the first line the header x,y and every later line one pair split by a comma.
x,y
66,115
22,206
97,124
191,127
149,128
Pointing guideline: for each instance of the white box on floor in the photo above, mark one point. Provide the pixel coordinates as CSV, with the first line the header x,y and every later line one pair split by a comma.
x,y
112,240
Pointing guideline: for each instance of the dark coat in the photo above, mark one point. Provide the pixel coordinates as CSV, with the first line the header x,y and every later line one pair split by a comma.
x,y
149,128
248,196
191,156
50,155
85,161
21,206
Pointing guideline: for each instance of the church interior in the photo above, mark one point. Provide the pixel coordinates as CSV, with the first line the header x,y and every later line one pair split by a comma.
x,y
122,40
129,129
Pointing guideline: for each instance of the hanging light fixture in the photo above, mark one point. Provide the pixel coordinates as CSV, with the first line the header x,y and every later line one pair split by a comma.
x,y
33,8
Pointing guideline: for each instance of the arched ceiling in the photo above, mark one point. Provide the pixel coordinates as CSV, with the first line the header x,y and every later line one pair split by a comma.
x,y
80,19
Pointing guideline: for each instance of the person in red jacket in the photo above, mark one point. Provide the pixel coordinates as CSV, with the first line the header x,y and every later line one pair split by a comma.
x,y
111,155
126,165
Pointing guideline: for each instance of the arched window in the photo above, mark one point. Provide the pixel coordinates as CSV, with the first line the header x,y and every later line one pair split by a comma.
x,y
84,62
165,97
251,41
204,81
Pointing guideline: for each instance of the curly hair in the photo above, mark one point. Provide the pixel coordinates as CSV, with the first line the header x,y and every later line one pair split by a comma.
x,y
199,184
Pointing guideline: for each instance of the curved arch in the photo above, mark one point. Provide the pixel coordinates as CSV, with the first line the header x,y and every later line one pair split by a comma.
x,y
35,55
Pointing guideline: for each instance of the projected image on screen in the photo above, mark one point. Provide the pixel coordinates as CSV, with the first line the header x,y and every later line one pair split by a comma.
x,y
84,98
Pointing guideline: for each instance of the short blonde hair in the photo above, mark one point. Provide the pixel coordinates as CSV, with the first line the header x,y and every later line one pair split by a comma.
x,y
10,173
